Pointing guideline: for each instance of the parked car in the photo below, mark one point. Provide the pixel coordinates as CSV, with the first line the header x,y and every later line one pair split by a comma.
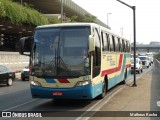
x,y
25,74
7,75
145,61
139,67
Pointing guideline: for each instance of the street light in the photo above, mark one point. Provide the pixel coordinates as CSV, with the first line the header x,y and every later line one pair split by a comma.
x,y
21,2
61,11
134,33
107,18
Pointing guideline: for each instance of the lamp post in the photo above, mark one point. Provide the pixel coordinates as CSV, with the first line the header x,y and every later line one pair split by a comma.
x,y
61,11
134,34
107,18
21,2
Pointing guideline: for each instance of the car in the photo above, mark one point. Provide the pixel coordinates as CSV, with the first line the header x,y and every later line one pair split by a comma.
x,y
150,55
7,75
139,67
25,74
145,61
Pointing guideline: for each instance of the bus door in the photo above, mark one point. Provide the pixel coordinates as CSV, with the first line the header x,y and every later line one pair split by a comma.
x,y
97,55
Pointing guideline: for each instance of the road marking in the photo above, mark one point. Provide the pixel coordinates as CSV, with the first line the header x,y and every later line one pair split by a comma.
x,y
20,105
110,95
100,103
158,103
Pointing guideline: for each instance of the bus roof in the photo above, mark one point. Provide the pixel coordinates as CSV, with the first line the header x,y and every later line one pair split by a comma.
x,y
80,24
67,24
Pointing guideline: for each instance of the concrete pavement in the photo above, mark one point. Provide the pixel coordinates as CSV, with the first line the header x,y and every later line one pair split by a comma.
x,y
144,97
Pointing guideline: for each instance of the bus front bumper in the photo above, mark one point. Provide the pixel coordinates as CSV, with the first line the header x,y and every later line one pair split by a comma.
x,y
80,92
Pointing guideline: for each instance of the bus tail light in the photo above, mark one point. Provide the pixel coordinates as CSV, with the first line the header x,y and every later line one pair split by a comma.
x,y
83,83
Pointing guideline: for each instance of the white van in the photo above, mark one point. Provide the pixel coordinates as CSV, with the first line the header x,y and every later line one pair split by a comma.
x,y
145,61
139,67
150,55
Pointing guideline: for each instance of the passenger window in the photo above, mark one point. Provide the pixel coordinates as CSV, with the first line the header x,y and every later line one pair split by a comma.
x,y
111,43
105,42
123,46
127,46
116,44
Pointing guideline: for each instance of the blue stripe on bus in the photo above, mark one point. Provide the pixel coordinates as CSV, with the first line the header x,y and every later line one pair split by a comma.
x,y
50,80
117,79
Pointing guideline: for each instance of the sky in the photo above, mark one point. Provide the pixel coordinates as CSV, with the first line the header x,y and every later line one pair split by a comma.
x,y
121,18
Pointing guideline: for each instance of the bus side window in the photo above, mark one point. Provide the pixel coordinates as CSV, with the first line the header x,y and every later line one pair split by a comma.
x,y
108,42
97,49
119,44
113,44
102,36
128,46
116,44
105,42
123,46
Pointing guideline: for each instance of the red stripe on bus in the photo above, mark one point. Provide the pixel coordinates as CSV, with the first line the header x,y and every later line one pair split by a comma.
x,y
128,66
110,71
63,81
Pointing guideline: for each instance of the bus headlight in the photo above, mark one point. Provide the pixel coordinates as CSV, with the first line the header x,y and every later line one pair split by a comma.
x,y
83,83
35,83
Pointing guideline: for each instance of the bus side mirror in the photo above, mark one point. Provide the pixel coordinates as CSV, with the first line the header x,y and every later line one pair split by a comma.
x,y
25,45
91,43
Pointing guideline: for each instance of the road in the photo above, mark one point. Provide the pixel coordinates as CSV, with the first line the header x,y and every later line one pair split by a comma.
x,y
18,98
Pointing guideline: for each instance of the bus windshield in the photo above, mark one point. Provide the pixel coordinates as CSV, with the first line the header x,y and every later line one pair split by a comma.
x,y
60,52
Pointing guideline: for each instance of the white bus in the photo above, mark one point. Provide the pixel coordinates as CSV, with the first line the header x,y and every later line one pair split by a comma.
x,y
76,61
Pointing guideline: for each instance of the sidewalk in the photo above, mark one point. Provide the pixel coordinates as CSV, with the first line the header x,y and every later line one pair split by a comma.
x,y
131,99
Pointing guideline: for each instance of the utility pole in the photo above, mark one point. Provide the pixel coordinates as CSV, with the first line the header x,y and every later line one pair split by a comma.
x,y
134,34
61,11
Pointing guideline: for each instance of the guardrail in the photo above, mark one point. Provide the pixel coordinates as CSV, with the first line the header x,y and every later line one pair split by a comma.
x,y
157,63
14,60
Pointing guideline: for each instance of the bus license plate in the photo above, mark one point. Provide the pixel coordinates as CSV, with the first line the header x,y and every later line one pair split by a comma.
x,y
57,94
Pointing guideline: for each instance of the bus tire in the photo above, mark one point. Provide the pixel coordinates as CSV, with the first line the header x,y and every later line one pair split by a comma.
x,y
125,76
104,88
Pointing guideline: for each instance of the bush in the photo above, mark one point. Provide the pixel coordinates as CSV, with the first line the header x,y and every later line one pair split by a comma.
x,y
19,14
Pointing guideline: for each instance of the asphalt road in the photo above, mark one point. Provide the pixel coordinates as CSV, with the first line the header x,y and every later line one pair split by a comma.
x,y
18,98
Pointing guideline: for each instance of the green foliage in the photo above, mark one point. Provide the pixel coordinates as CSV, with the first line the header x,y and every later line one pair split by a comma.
x,y
74,18
89,18
158,56
19,14
53,20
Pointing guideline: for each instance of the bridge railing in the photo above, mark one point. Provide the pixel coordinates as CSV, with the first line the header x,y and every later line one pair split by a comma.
x,y
157,63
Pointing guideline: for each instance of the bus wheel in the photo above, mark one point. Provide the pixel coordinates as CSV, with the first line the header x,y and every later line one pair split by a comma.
x,y
125,76
102,95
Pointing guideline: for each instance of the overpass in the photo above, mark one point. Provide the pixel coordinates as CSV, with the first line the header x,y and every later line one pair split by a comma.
x,y
154,48
13,32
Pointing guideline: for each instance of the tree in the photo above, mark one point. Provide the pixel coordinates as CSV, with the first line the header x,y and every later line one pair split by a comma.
x,y
89,18
53,20
74,18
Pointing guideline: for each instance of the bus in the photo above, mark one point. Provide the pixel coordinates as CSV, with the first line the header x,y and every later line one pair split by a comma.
x,y
76,61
